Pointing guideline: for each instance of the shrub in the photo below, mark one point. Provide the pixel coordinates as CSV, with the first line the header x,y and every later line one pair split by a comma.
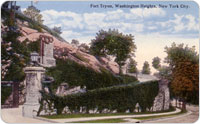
x,y
120,98
5,93
78,75
35,26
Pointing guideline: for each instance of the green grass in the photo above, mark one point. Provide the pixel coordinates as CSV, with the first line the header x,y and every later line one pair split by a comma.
x,y
97,115
118,120
159,116
79,56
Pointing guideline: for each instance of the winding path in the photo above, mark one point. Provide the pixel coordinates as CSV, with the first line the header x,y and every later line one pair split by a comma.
x,y
107,117
190,117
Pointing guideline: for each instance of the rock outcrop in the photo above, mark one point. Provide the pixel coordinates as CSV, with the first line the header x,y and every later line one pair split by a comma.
x,y
64,90
70,52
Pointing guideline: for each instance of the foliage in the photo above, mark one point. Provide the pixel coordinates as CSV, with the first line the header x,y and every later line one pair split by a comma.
x,y
34,14
78,75
156,62
35,26
57,29
184,63
5,93
31,22
79,115
120,98
113,43
75,42
84,47
132,66
146,68
33,46
127,79
79,56
15,55
165,72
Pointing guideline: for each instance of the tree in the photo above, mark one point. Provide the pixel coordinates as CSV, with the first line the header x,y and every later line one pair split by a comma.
x,y
156,62
146,68
184,63
132,66
75,42
84,47
34,14
113,43
57,29
14,56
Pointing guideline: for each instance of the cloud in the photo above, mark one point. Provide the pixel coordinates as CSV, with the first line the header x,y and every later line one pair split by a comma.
x,y
66,18
70,34
139,21
192,24
23,9
180,23
148,12
152,28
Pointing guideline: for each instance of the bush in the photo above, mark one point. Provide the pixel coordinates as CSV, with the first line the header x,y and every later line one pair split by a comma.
x,y
78,75
120,98
5,93
128,79
35,26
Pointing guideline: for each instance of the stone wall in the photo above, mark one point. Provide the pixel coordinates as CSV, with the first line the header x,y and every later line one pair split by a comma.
x,y
162,100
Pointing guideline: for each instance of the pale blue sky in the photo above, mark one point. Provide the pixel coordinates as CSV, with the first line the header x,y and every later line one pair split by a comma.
x,y
153,28
147,24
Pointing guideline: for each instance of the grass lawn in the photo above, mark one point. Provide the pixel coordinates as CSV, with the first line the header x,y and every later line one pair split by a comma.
x,y
119,120
159,116
97,115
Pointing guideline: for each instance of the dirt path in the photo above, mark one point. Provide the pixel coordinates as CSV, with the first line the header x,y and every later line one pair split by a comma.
x,y
190,117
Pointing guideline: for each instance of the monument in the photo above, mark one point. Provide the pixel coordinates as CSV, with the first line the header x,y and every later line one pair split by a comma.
x,y
46,51
34,75
33,86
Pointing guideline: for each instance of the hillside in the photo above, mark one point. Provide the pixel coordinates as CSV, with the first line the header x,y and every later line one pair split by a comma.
x,y
31,31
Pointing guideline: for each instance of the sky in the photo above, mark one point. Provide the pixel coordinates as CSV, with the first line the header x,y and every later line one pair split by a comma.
x,y
154,25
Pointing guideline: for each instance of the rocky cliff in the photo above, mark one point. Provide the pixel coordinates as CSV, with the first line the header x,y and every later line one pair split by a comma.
x,y
71,52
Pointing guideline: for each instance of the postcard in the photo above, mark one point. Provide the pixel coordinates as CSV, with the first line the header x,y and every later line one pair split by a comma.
x,y
99,61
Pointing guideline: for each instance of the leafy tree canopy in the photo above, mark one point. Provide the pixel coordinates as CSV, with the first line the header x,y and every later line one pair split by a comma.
x,y
57,29
132,66
184,64
156,62
84,47
75,42
34,14
179,53
146,68
113,43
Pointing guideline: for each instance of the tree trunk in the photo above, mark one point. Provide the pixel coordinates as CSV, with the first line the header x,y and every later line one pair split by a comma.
x,y
120,70
183,105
